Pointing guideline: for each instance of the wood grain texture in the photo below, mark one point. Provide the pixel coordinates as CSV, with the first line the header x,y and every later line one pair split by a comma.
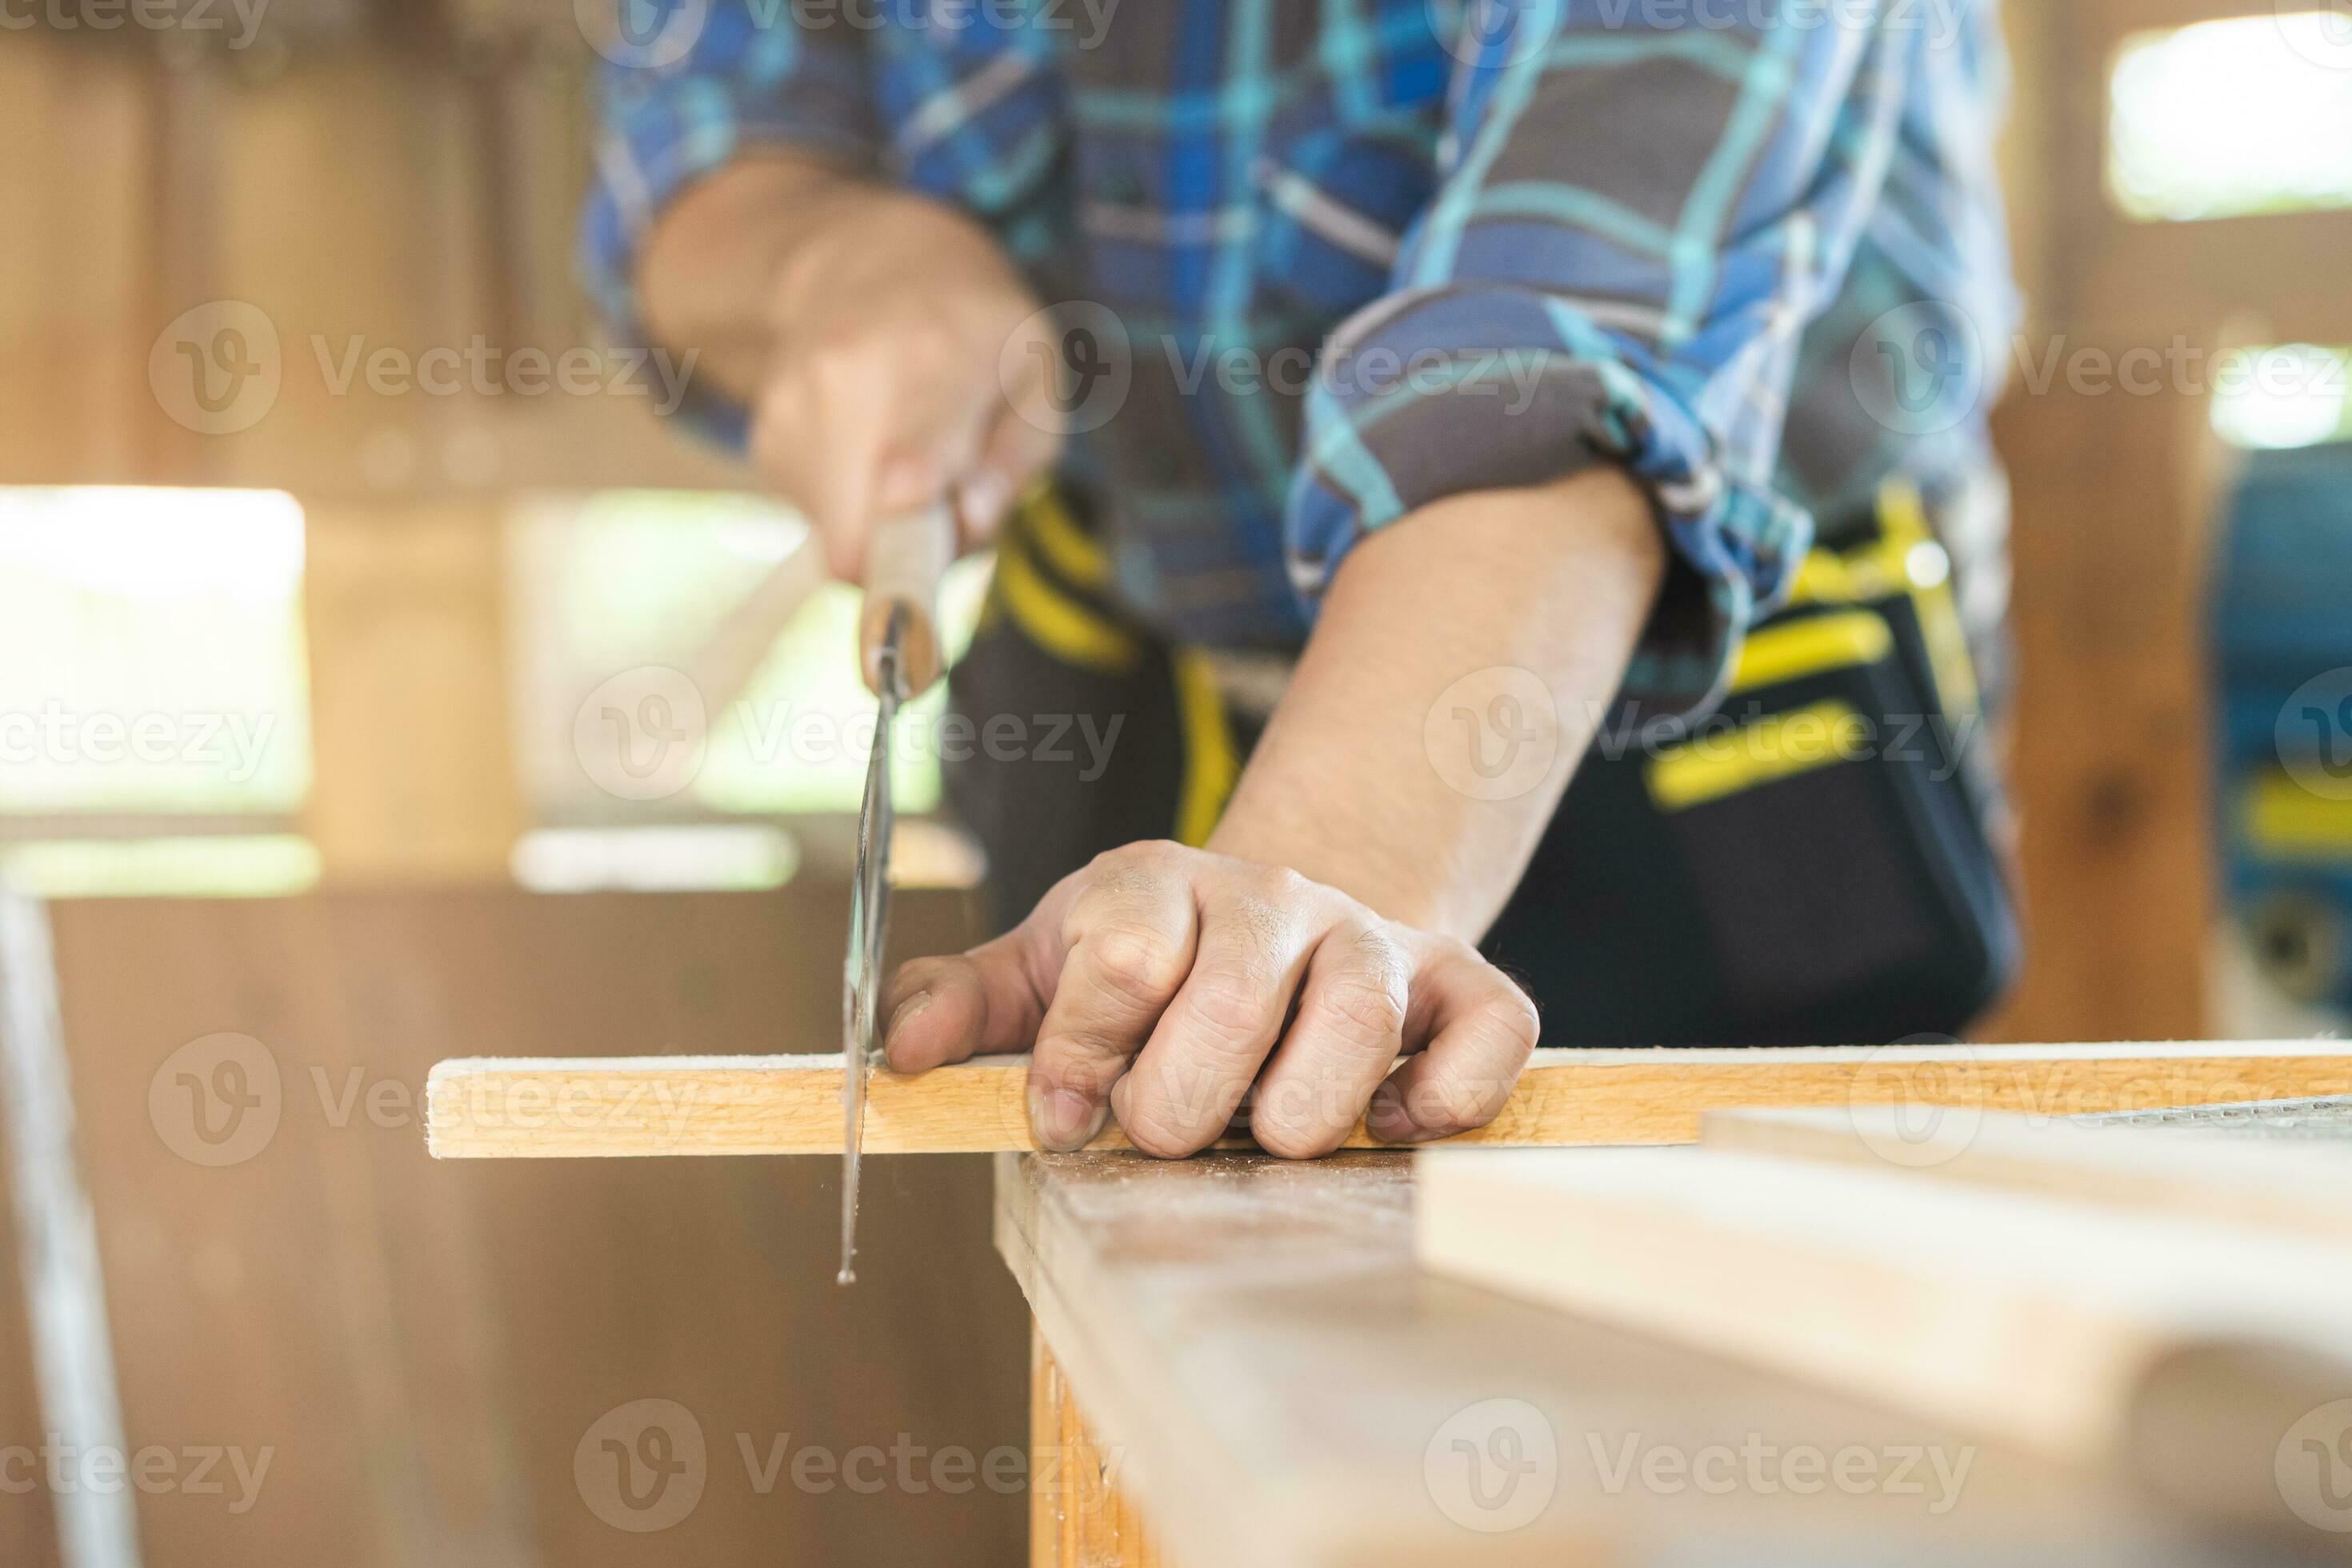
x,y
1284,1388
1079,1517
519,1108
2300,1188
1999,1311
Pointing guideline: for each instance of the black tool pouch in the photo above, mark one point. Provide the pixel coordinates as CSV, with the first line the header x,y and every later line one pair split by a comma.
x,y
1814,865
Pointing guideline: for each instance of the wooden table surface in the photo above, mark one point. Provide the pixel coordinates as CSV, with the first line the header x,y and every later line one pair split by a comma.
x,y
1272,1382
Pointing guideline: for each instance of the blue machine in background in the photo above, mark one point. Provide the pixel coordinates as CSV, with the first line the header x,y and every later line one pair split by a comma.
x,y
2282,650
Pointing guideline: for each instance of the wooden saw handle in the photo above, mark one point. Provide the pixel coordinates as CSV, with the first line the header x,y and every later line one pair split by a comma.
x,y
905,559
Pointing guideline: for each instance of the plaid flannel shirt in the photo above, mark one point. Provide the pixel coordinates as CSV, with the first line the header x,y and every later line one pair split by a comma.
x,y
1367,254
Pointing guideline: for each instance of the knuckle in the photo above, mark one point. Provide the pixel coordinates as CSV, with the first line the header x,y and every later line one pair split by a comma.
x,y
1454,949
1132,867
1136,963
1288,1138
1444,1102
1230,1007
1151,1128
1282,887
1367,1008
833,349
1259,924
1144,854
1513,1015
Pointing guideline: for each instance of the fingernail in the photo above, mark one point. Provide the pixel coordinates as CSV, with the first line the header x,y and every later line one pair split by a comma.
x,y
984,499
1063,1119
1387,1117
906,1013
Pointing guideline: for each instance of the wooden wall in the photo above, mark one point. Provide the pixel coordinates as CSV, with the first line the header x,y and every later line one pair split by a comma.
x,y
2114,494
424,1347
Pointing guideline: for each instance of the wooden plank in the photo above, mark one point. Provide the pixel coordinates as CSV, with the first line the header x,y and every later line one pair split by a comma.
x,y
1999,1311
2298,1188
1285,1389
505,1108
1079,1517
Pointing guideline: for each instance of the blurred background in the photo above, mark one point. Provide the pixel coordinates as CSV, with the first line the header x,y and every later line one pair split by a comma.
x,y
339,733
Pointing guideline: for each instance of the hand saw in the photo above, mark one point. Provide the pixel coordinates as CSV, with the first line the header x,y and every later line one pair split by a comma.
x,y
899,649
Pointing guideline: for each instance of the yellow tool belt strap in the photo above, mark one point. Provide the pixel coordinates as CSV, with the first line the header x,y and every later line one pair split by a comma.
x,y
1051,582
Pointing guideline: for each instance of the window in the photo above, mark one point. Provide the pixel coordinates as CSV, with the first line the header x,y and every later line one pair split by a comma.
x,y
2297,395
626,581
2233,118
155,717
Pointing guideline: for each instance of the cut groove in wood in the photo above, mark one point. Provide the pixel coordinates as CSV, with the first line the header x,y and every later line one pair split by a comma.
x,y
500,1107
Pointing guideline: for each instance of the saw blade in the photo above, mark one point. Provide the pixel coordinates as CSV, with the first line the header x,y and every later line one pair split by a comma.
x,y
869,925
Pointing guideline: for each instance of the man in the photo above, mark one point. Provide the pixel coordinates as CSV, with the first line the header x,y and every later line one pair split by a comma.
x,y
1580,286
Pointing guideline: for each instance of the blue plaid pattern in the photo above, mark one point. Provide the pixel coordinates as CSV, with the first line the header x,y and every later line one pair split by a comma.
x,y
1369,253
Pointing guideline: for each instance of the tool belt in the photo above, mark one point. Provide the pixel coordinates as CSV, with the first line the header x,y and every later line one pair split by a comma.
x,y
1815,864
1818,862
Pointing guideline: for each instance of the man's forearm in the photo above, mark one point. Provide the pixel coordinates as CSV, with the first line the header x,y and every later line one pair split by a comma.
x,y
707,278
1485,604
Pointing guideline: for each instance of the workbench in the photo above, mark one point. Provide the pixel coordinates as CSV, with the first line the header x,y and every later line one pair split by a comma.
x,y
1236,1365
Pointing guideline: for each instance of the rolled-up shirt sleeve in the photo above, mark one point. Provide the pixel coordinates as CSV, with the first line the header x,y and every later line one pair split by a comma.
x,y
1632,226
711,79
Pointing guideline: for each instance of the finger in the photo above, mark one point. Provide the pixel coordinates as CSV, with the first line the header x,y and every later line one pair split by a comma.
x,y
1347,1035
984,1002
1015,452
819,440
940,437
1128,941
1481,1029
1187,1085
